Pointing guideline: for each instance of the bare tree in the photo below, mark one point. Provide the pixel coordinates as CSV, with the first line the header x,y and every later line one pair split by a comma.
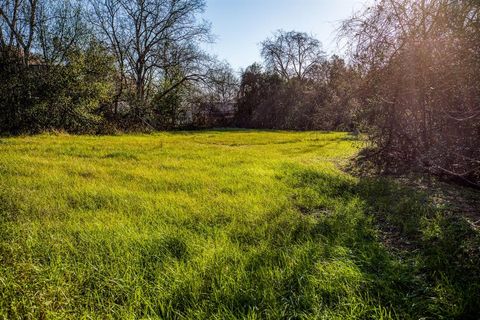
x,y
221,83
61,28
43,28
420,92
292,54
17,25
151,37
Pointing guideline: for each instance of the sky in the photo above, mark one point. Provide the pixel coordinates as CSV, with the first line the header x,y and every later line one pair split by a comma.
x,y
240,25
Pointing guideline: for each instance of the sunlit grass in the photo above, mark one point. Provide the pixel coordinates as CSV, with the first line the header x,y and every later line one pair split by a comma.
x,y
217,224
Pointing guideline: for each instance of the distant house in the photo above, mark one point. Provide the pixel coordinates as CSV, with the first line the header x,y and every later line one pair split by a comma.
x,y
17,56
222,110
214,114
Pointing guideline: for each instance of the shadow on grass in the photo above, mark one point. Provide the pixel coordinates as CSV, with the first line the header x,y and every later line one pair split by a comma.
x,y
420,260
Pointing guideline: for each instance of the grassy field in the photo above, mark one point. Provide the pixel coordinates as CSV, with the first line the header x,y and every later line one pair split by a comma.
x,y
222,225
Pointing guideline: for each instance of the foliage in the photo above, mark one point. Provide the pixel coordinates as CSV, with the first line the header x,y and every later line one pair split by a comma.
x,y
148,39
61,97
143,42
168,108
325,101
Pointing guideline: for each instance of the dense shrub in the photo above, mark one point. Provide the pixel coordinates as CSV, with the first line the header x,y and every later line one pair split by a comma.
x,y
420,93
43,96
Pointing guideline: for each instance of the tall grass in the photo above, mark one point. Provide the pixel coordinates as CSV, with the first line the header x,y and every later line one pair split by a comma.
x,y
219,225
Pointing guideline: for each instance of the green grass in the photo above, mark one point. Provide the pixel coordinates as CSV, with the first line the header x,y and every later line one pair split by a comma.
x,y
221,225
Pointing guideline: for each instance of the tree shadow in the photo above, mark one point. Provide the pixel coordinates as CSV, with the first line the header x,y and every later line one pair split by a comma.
x,y
421,259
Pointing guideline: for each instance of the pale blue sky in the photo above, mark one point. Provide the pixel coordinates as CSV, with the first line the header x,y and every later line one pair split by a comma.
x,y
240,25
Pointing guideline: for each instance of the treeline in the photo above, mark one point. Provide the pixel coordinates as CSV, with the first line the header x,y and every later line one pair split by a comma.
x,y
411,81
297,87
88,66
